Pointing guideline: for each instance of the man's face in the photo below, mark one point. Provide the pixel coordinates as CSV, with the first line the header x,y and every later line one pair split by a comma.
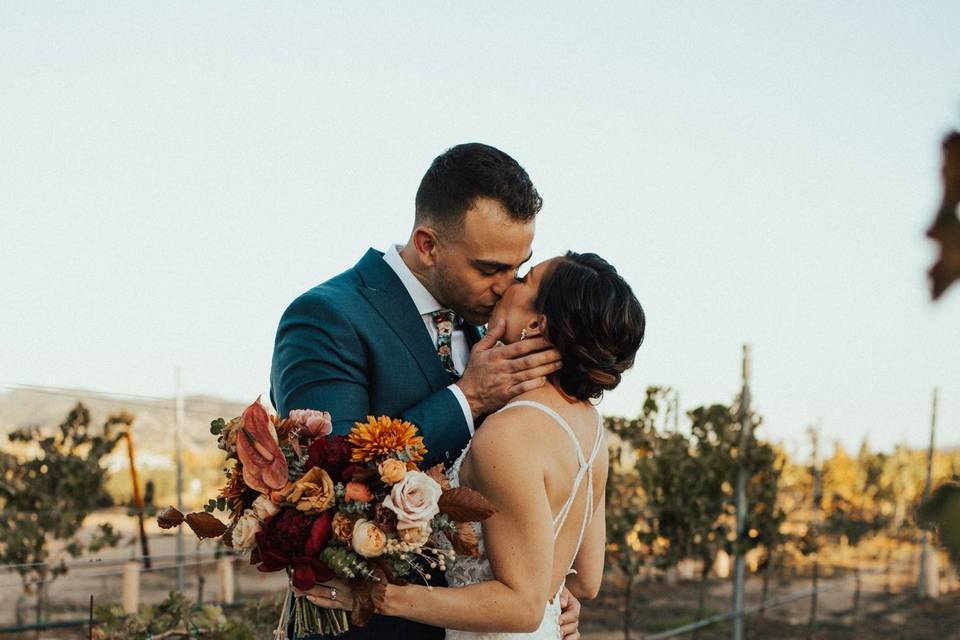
x,y
476,264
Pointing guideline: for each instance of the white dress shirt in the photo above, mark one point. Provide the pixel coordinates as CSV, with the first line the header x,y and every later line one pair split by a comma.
x,y
426,305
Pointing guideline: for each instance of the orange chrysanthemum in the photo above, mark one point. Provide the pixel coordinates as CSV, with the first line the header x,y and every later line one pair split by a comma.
x,y
383,437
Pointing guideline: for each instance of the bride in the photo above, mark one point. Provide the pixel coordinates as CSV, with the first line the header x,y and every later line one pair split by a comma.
x,y
541,460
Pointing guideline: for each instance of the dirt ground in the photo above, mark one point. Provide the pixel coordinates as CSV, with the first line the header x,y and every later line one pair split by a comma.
x,y
659,607
656,606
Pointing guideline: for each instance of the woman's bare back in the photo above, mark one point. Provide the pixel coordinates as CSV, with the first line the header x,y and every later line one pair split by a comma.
x,y
550,448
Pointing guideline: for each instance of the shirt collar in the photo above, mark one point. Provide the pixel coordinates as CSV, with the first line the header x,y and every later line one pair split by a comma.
x,y
422,299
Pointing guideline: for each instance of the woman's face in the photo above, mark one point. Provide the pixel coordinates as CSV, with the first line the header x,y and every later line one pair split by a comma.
x,y
516,305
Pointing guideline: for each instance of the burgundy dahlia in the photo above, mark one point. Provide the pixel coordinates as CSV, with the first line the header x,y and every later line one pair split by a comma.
x,y
384,518
357,473
332,454
293,540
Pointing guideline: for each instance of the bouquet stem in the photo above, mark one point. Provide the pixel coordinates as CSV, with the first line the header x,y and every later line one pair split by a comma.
x,y
309,619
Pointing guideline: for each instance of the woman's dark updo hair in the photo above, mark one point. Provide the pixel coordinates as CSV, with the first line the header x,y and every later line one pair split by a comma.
x,y
593,319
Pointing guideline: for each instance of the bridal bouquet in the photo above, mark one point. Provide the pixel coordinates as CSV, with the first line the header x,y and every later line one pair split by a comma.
x,y
318,505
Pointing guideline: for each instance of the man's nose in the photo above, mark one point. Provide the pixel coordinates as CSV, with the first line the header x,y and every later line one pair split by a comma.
x,y
502,284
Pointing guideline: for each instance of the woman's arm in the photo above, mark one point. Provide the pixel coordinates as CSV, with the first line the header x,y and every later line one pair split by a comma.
x,y
519,544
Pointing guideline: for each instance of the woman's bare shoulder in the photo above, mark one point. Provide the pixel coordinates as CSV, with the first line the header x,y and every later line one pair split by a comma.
x,y
513,428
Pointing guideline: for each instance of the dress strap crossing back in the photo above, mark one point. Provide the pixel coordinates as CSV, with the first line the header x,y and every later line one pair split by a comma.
x,y
585,470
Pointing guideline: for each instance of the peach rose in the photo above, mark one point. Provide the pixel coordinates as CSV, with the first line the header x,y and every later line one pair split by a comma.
x,y
416,534
392,470
244,532
414,499
313,492
368,540
343,526
264,508
357,492
314,423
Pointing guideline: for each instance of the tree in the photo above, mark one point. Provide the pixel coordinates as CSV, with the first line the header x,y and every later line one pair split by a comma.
x,y
765,514
941,512
721,451
46,498
704,510
629,542
852,509
670,496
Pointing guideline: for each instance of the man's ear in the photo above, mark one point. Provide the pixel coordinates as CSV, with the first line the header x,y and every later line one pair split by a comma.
x,y
425,242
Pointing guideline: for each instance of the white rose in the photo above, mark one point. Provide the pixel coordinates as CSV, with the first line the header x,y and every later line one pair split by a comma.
x,y
414,499
244,531
264,508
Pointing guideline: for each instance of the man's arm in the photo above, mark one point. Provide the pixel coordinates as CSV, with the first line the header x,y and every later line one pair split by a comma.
x,y
319,363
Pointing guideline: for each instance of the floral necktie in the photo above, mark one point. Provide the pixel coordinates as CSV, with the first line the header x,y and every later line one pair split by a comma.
x,y
444,320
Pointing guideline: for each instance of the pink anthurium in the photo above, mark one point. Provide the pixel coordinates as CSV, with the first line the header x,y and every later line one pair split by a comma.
x,y
264,466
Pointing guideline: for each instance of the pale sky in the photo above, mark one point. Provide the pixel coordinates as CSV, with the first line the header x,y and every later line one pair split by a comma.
x,y
172,175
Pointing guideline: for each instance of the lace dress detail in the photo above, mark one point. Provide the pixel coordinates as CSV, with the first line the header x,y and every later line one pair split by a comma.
x,y
467,570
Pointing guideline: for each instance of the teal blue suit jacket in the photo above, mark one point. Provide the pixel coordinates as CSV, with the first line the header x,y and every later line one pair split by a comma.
x,y
357,346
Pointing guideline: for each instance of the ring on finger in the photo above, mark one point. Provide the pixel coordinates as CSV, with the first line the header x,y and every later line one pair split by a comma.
x,y
333,593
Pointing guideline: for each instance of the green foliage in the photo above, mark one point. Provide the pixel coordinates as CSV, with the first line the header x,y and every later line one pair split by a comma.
x,y
941,511
670,496
46,497
626,501
345,563
854,500
217,426
216,504
177,617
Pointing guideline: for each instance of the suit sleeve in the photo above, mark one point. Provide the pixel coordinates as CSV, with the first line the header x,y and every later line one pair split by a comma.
x,y
319,362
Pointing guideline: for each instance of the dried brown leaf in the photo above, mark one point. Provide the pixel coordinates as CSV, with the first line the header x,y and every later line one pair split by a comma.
x,y
946,226
205,525
378,589
436,472
368,596
363,607
464,540
227,538
169,518
465,505
388,572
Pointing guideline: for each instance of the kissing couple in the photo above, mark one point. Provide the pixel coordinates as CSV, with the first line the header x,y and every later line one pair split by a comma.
x,y
499,371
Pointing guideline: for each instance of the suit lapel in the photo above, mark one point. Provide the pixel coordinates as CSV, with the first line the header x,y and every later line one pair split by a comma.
x,y
384,291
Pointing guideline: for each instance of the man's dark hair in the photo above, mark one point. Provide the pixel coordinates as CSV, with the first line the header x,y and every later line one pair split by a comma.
x,y
463,173
593,319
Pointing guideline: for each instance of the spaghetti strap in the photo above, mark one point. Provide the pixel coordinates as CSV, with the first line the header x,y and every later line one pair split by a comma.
x,y
588,509
557,418
585,467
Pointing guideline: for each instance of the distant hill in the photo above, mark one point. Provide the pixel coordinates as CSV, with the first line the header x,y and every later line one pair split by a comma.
x,y
153,436
153,427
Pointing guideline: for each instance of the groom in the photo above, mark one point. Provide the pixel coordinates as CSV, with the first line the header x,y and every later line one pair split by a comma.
x,y
399,334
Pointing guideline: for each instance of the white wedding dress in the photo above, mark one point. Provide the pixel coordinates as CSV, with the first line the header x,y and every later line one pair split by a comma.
x,y
467,570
